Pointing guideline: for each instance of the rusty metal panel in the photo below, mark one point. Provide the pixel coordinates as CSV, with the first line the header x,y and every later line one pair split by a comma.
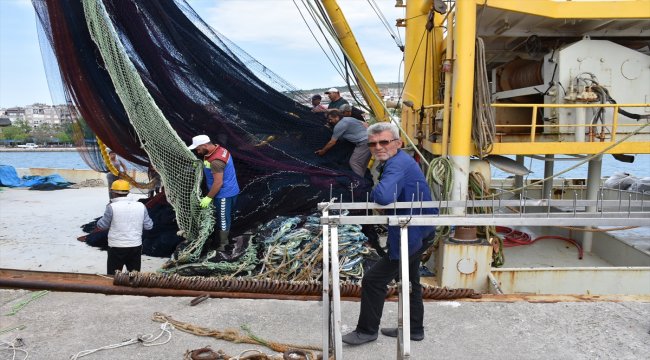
x,y
465,265
573,280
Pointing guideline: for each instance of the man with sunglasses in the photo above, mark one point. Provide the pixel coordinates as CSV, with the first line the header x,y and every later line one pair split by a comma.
x,y
401,180
352,130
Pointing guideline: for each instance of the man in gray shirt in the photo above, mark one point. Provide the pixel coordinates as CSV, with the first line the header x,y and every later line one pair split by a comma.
x,y
352,130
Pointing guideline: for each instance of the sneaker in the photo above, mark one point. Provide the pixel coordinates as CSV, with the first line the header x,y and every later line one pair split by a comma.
x,y
357,338
392,332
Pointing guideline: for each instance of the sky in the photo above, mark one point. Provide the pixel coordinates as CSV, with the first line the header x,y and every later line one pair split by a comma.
x,y
271,31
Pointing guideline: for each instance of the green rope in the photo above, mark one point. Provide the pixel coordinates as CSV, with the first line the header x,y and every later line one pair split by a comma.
x,y
17,327
478,189
250,334
35,295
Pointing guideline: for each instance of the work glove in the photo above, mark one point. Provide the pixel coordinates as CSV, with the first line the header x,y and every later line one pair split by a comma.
x,y
206,163
205,202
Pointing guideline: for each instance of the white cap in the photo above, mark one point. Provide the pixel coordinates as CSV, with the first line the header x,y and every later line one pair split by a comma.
x,y
331,90
199,140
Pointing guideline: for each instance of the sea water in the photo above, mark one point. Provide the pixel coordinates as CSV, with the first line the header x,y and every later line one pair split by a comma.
x,y
44,159
72,160
639,168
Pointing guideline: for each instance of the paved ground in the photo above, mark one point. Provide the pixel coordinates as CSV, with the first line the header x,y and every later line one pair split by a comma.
x,y
38,231
59,325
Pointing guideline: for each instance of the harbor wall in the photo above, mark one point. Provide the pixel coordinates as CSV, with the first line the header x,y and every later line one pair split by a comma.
x,y
77,176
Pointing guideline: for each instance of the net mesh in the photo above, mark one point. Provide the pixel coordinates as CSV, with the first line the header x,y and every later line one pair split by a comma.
x,y
167,152
147,76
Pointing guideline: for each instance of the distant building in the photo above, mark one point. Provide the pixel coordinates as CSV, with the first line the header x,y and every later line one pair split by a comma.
x,y
14,114
38,114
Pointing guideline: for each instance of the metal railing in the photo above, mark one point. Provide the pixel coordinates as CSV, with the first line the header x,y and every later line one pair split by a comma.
x,y
621,212
427,125
535,107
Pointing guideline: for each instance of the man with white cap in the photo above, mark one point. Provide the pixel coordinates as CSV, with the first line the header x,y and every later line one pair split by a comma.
x,y
223,188
335,99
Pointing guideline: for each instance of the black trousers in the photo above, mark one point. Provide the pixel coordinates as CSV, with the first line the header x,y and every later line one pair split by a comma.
x,y
374,289
118,257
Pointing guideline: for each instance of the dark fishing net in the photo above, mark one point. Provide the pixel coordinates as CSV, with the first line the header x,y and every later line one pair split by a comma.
x,y
201,85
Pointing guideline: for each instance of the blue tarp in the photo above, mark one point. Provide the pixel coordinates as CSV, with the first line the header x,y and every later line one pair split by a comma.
x,y
9,178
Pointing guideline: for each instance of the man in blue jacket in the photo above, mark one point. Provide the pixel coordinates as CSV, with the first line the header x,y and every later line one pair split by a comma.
x,y
400,179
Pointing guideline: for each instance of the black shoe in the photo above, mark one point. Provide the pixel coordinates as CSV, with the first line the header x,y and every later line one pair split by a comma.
x,y
357,338
392,332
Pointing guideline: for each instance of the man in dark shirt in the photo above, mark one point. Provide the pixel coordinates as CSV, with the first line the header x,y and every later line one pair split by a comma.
x,y
335,99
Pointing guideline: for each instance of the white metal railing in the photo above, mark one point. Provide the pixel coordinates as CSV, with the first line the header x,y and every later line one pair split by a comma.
x,y
621,212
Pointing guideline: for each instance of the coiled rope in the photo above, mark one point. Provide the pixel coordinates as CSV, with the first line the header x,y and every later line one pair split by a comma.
x,y
14,346
483,122
478,189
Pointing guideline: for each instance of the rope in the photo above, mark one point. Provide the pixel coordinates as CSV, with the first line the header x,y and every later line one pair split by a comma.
x,y
393,34
477,189
207,353
145,340
12,328
439,175
514,238
231,335
35,295
14,346
292,250
483,122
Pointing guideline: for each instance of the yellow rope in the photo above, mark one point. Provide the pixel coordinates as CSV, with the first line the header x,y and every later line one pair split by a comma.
x,y
107,160
124,176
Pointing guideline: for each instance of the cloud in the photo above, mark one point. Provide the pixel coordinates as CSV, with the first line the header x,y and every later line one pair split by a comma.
x,y
271,28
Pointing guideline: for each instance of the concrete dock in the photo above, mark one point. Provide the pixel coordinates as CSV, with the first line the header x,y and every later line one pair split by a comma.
x,y
38,231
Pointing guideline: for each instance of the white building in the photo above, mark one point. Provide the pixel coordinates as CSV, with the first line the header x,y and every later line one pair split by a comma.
x,y
38,114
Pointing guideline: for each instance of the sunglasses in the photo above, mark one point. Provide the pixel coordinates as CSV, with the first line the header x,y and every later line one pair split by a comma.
x,y
383,143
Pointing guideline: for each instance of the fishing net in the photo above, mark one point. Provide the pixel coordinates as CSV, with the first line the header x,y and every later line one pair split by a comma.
x,y
147,76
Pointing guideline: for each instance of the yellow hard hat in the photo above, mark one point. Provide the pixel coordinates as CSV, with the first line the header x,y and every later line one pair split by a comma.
x,y
121,185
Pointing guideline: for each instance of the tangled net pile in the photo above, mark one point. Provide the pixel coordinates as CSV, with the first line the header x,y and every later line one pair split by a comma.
x,y
288,248
146,76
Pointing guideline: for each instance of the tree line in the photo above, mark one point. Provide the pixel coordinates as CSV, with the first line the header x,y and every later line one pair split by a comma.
x,y
21,132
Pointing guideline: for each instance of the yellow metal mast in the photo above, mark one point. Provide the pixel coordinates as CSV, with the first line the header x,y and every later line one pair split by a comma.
x,y
367,84
461,146
420,62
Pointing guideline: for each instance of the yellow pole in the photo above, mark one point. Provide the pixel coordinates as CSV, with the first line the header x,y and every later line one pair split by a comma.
x,y
367,84
446,114
461,146
417,86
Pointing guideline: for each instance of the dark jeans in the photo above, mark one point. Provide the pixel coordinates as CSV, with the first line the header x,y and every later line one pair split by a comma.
x,y
223,212
118,257
110,178
374,290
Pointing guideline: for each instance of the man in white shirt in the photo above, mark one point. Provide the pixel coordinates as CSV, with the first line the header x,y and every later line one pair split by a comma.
x,y
125,219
